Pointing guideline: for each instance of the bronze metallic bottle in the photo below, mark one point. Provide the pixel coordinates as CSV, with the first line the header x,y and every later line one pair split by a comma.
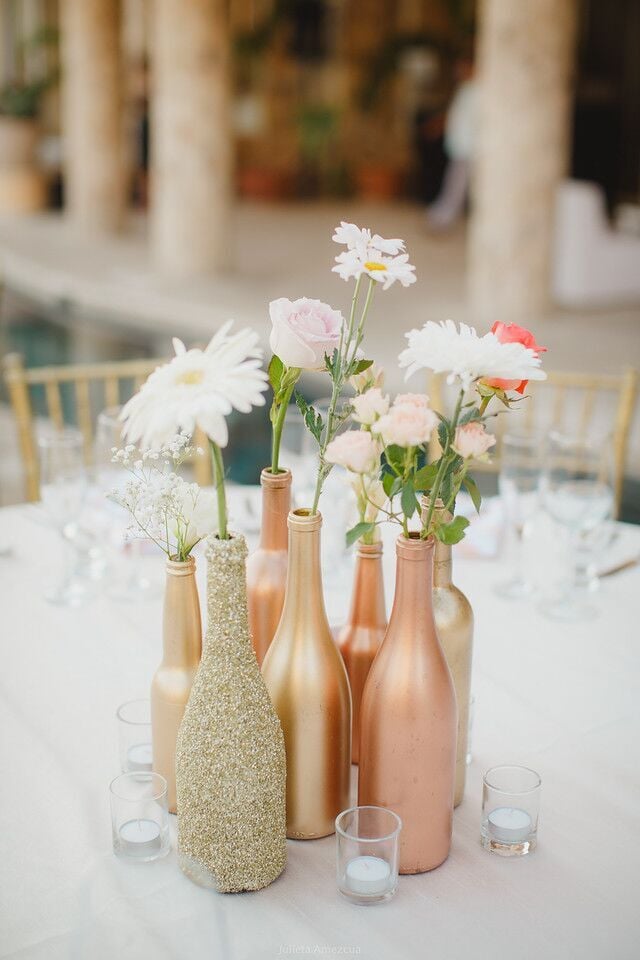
x,y
408,719
454,622
364,631
171,685
307,681
267,566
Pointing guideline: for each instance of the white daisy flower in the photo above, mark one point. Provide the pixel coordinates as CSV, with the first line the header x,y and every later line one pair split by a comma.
x,y
464,355
360,239
382,269
198,388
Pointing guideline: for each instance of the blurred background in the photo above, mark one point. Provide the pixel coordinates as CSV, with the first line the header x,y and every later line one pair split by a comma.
x,y
167,164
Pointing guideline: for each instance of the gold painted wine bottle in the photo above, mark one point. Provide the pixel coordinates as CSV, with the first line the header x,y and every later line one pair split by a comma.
x,y
267,566
307,682
454,622
171,685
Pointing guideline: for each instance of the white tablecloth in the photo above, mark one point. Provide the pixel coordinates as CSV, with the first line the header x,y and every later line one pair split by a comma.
x,y
564,699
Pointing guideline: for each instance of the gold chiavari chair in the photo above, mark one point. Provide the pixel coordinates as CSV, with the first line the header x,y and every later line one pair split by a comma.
x,y
111,381
571,402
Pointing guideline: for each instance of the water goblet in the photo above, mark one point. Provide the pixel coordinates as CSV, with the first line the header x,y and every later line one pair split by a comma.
x,y
577,492
518,483
63,486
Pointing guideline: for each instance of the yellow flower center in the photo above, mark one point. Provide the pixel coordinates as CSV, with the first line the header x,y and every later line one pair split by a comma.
x,y
372,265
191,377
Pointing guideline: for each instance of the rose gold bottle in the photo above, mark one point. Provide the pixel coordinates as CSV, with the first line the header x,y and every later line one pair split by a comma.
x,y
267,566
171,685
364,631
308,684
408,719
454,622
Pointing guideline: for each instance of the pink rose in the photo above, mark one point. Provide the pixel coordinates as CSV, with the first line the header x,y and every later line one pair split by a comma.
x,y
304,331
356,450
472,440
411,400
406,425
512,333
369,406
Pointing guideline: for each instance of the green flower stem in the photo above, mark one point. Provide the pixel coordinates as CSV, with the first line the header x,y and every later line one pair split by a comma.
x,y
218,481
484,403
278,427
442,469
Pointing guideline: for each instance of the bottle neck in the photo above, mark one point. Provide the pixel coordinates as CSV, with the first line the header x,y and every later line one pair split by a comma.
x,y
276,503
367,602
304,596
442,551
414,579
181,623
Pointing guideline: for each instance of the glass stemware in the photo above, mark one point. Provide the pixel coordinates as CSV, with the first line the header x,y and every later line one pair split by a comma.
x,y
578,494
129,579
63,486
518,483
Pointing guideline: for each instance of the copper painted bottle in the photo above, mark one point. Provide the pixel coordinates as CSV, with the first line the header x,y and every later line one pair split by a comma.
x,y
267,566
454,622
307,682
360,638
171,685
408,719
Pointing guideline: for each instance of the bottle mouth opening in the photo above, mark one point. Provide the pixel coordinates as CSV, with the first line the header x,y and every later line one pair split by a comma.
x,y
274,480
302,519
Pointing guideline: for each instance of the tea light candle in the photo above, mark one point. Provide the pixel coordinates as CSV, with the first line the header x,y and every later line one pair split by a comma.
x,y
367,875
140,838
139,757
509,824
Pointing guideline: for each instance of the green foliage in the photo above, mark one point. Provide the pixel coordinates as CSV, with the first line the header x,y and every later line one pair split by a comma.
x,y
312,418
360,530
408,499
473,491
453,532
276,370
424,478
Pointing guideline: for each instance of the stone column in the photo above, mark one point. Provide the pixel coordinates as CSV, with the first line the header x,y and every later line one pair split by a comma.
x,y
94,170
191,142
525,61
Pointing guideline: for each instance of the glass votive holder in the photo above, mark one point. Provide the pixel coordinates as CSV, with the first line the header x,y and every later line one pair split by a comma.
x,y
140,816
367,854
510,807
134,736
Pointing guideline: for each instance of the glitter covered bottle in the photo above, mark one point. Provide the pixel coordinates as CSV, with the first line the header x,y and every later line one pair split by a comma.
x,y
308,683
267,566
230,759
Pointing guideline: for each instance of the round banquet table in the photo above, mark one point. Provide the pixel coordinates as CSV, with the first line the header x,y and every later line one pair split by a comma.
x,y
561,698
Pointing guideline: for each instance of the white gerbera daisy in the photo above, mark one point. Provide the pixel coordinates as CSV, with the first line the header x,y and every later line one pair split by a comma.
x,y
462,354
198,388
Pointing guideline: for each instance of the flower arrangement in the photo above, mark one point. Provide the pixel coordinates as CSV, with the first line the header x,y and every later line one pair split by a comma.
x,y
163,507
308,334
199,389
504,359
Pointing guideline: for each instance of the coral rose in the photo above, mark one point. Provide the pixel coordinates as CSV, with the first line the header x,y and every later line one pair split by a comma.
x,y
512,333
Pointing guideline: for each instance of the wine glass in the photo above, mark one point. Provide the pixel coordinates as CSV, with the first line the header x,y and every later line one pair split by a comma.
x,y
578,494
518,483
63,487
129,580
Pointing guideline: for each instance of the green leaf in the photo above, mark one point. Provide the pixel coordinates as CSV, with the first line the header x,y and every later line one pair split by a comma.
x,y
473,491
332,364
408,500
473,413
390,483
443,433
359,366
395,456
312,418
358,531
276,369
423,478
452,532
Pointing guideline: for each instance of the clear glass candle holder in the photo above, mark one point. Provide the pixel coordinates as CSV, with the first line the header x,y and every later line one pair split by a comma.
x,y
367,854
510,807
134,736
140,816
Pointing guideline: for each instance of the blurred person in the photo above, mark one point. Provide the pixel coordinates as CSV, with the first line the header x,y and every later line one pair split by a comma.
x,y
459,144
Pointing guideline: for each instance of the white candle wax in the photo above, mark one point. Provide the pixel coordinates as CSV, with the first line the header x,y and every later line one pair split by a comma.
x,y
140,838
367,875
509,824
139,757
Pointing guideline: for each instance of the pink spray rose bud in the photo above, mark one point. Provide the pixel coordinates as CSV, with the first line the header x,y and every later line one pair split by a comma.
x,y
406,425
304,331
369,406
356,450
472,440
